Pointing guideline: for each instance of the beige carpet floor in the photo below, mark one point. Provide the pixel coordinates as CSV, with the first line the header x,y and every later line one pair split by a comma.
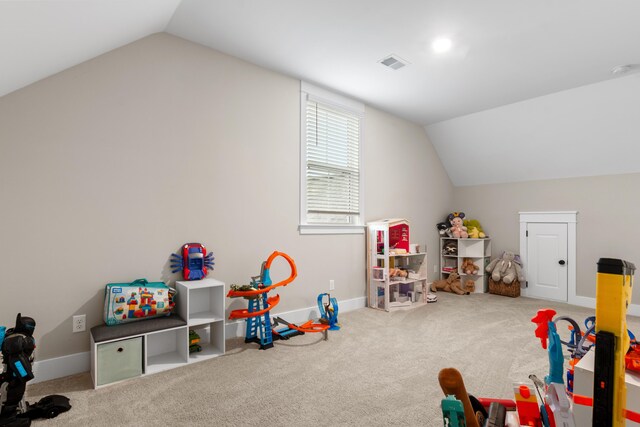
x,y
381,369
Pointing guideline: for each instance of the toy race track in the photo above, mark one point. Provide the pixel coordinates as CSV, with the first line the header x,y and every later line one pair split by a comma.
x,y
257,314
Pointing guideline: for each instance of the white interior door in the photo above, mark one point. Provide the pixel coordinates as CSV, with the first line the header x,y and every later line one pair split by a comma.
x,y
547,260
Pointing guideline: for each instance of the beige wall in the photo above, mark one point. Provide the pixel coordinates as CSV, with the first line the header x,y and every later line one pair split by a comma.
x,y
602,203
108,167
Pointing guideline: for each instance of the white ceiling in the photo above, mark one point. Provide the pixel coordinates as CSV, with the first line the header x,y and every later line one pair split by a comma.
x,y
504,51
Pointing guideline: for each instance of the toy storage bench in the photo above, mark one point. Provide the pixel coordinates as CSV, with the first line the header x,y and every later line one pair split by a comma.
x,y
148,346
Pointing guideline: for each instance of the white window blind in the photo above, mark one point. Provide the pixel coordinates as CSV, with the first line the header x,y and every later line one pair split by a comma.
x,y
332,164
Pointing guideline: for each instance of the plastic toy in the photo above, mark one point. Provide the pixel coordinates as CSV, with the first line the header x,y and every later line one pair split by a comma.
x,y
257,315
497,415
613,295
17,345
547,330
527,406
329,312
194,340
453,412
451,383
194,261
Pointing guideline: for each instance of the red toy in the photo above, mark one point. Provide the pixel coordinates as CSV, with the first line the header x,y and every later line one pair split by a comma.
x,y
194,262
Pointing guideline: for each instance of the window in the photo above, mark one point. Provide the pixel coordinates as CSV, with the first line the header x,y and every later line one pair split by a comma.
x,y
331,163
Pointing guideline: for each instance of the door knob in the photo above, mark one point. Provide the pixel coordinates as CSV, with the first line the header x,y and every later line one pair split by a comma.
x,y
561,262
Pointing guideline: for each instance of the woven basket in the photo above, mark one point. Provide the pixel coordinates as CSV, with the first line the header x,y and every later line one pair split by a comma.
x,y
500,288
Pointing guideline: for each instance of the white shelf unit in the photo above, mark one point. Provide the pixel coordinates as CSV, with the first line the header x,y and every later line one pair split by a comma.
x,y
204,312
200,306
478,250
383,292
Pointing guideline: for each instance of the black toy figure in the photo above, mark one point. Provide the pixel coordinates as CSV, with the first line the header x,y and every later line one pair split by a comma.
x,y
17,346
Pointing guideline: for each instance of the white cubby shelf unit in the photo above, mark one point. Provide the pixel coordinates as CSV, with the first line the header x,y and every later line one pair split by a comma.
x,y
145,347
204,312
478,250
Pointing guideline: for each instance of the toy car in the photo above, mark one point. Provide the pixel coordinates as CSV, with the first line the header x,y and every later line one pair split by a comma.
x,y
194,262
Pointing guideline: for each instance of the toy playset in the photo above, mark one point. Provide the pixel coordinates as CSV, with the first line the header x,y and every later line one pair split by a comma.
x,y
328,311
17,346
260,328
614,348
398,236
140,299
193,261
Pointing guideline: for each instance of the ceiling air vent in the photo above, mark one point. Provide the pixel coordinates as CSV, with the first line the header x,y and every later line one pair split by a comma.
x,y
393,62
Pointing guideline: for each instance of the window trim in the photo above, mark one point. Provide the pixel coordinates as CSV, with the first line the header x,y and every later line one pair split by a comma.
x,y
315,93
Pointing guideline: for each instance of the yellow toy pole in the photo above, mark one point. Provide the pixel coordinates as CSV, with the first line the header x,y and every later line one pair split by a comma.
x,y
613,296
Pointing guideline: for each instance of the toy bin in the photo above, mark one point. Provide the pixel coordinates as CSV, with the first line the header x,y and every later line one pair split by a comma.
x,y
500,288
119,360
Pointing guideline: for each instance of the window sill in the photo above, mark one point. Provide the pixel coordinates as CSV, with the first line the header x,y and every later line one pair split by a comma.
x,y
331,229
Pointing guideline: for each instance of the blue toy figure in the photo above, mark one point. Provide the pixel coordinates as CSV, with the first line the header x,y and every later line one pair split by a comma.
x,y
329,312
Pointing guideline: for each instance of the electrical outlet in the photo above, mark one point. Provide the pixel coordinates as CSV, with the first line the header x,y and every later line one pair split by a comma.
x,y
79,323
435,268
332,285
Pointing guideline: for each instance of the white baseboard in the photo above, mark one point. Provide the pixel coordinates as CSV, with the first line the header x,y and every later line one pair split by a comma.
x,y
632,310
78,363
237,328
63,366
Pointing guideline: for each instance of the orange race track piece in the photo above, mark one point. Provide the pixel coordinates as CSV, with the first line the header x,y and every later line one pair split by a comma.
x,y
285,282
244,313
309,326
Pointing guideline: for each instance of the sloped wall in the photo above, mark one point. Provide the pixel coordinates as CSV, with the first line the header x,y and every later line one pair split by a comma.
x,y
603,204
587,131
108,167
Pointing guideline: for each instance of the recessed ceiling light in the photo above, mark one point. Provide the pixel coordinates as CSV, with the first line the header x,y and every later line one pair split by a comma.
x,y
441,45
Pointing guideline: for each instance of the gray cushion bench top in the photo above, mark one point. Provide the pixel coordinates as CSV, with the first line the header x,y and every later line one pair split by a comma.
x,y
124,330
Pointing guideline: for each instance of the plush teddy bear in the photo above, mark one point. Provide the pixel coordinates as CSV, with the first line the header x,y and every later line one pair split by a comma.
x,y
468,267
469,286
457,228
450,284
472,224
506,268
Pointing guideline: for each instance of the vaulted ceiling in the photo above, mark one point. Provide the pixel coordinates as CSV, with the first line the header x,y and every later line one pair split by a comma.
x,y
503,52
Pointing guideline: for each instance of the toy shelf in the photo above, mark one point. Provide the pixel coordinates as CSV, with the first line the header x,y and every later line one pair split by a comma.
x,y
166,350
149,346
478,250
383,292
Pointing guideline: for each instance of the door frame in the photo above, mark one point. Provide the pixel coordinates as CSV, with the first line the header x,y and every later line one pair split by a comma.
x,y
562,217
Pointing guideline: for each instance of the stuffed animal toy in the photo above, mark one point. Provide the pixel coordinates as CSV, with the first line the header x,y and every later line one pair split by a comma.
x,y
450,284
471,224
468,267
470,286
457,230
397,274
473,233
443,229
450,248
506,268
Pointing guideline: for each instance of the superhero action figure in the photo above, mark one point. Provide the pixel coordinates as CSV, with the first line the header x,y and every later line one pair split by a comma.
x,y
17,345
